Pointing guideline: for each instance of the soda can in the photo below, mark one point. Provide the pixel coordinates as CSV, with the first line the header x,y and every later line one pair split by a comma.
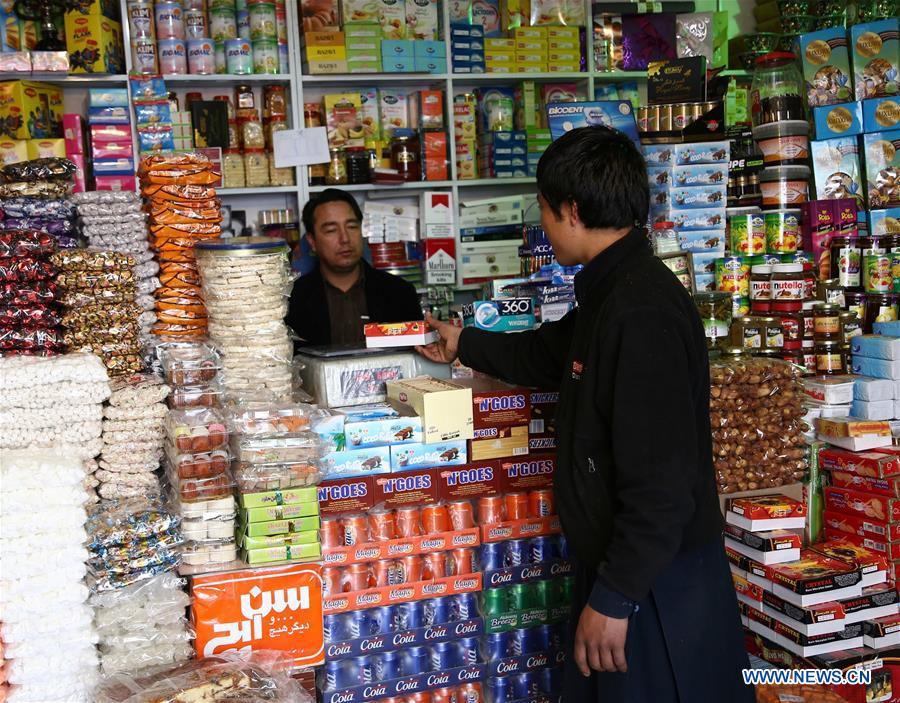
x,y
388,665
382,525
410,569
563,546
416,660
356,530
526,685
408,522
470,651
355,578
490,510
332,582
470,692
500,689
545,593
462,562
335,628
541,503
519,596
553,636
527,641
359,623
408,616
435,519
335,676
516,552
461,517
566,585
363,670
540,636
465,606
445,655
434,565
516,506
331,533
436,611
495,602
444,695
381,619
385,572
551,679
541,549
493,556
499,645
420,697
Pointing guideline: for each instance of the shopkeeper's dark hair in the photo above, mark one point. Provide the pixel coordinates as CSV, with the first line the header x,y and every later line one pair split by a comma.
x,y
602,172
329,195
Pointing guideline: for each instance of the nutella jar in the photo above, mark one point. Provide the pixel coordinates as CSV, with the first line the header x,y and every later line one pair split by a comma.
x,y
851,326
808,317
846,262
792,327
826,322
788,285
792,356
774,333
830,359
761,288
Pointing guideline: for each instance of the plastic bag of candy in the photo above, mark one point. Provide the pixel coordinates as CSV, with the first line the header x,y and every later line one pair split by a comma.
x,y
50,168
25,242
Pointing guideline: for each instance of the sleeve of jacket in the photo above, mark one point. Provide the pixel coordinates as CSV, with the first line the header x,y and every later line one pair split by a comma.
x,y
409,304
536,358
655,451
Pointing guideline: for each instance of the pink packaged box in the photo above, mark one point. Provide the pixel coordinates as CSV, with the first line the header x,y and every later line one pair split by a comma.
x,y
112,150
80,184
73,131
110,133
116,183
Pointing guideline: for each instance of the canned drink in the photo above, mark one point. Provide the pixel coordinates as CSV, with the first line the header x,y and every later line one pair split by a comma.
x,y
435,519
539,638
284,57
331,533
490,510
262,21
388,665
331,581
408,522
470,651
141,20
281,23
415,615
643,118
516,506
500,689
553,637
495,602
542,549
363,670
445,655
493,556
355,578
201,57
436,611
566,586
519,596
545,593
541,503
382,525
563,546
265,56
471,692
421,697
380,620
527,641
335,628
665,118
462,562
359,623
499,645
551,679
335,676
444,695
526,685
195,24
464,606
172,55
681,116
194,5
169,20
356,530
242,19
461,517
386,573
434,565
416,660
515,552
143,56
410,569
222,24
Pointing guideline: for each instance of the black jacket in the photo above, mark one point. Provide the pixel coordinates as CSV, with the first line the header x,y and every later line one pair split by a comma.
x,y
635,483
388,298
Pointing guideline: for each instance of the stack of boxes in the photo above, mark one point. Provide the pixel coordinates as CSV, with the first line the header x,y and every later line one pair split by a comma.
x,y
877,356
326,52
467,46
112,151
541,49
279,525
409,56
531,49
489,237
30,121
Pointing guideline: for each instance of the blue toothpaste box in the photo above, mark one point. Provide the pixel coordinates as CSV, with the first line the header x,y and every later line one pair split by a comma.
x,y
501,315
618,114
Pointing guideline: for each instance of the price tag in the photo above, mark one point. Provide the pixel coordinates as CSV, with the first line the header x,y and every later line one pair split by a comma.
x,y
300,147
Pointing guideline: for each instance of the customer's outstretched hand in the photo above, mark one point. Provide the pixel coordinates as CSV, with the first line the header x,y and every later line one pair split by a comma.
x,y
444,350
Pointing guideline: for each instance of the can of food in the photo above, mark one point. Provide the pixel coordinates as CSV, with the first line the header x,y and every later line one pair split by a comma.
x,y
242,17
265,56
222,24
284,59
747,234
169,21
782,231
143,56
195,24
733,275
240,4
172,56
262,21
681,115
643,116
665,118
141,20
221,63
222,4
238,57
740,305
877,274
696,111
653,118
199,5
201,57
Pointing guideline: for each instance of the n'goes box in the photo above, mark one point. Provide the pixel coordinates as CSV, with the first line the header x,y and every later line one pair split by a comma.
x,y
445,407
94,44
30,110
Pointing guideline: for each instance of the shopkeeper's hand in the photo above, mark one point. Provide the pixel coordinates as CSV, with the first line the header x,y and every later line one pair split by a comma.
x,y
443,351
600,642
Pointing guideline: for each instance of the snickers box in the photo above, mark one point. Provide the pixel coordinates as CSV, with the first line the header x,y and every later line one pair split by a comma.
x,y
495,403
889,487
543,412
814,620
815,578
872,565
876,464
868,505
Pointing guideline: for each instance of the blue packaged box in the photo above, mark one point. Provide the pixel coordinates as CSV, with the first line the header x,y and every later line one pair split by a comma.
x,y
707,218
397,48
430,65
879,368
888,329
471,44
466,30
113,167
108,97
876,346
833,121
703,241
399,65
500,315
617,114
357,462
883,222
697,175
498,138
698,196
686,154
705,282
873,410
875,48
881,113
429,49
704,262
662,176
379,432
405,457
330,428
870,389
109,115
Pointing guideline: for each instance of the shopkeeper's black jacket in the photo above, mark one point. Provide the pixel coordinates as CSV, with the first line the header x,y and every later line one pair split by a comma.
x,y
635,483
388,299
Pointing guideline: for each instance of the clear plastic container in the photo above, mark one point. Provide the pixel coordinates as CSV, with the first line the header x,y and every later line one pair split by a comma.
x,y
193,489
299,448
203,396
216,525
777,91
198,464
196,430
270,418
210,552
190,364
255,478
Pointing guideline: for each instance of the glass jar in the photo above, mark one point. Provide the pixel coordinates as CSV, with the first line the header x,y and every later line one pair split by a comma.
x,y
792,326
358,165
233,175
830,291
830,360
855,302
826,322
715,313
244,98
405,157
809,356
256,167
274,101
337,167
774,334
851,325
761,288
807,319
283,176
252,133
846,258
788,287
879,308
748,332
664,238
777,89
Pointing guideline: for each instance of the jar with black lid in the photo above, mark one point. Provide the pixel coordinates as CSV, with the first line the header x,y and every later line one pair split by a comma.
x,y
826,322
358,165
830,358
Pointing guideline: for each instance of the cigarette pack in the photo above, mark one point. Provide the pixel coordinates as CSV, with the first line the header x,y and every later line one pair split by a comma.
x,y
815,620
400,334
773,547
867,505
871,564
814,579
775,512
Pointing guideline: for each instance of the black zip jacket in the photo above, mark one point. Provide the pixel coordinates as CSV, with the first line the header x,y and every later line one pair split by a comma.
x,y
388,299
635,483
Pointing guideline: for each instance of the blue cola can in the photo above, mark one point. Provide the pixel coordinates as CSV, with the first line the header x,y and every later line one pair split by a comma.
x,y
551,637
551,679
499,645
563,547
445,655
362,669
500,689
416,660
437,611
527,641
388,665
542,549
464,606
408,616
492,556
526,685
359,623
336,676
381,619
335,628
470,651
516,552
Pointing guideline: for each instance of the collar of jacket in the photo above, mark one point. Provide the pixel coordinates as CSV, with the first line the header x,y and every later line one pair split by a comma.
x,y
601,266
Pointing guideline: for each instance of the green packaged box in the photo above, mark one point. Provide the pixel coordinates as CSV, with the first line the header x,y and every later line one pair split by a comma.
x,y
279,527
268,541
279,512
362,30
355,66
876,58
302,552
287,496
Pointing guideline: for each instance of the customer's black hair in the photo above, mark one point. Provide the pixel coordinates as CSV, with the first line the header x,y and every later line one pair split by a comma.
x,y
602,172
329,195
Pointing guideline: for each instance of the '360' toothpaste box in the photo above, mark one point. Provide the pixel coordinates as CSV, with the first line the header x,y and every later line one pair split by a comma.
x,y
618,114
500,314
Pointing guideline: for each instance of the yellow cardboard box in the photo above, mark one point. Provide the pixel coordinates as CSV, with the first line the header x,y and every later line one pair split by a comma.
x,y
45,148
12,151
499,44
324,38
318,68
505,67
530,33
529,45
326,53
500,56
94,44
564,67
30,110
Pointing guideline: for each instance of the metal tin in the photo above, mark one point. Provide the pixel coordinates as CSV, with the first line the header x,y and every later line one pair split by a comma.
x,y
222,24
262,21
143,56
681,115
141,20
195,24
169,19
238,57
265,56
172,54
653,118
201,57
643,118
665,118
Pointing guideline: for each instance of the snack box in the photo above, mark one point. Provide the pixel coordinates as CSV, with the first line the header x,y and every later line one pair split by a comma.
x,y
811,645
874,602
774,512
879,530
697,196
268,541
889,487
881,113
444,406
502,315
405,457
94,44
696,175
499,442
882,222
288,552
747,592
495,403
874,464
280,512
280,527
880,151
871,389
30,110
819,619
852,427
686,154
400,334
829,390
357,462
815,579
831,121
876,58
287,496
826,66
772,547
867,505
882,632
339,381
381,431
563,117
871,564
699,219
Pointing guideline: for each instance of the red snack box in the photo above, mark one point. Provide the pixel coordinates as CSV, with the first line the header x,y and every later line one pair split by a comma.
x,y
868,505
874,602
871,564
862,526
814,573
495,403
814,619
772,541
747,592
879,464
775,512
890,550
889,487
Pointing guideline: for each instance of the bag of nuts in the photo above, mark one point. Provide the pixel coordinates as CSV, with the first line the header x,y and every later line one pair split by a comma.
x,y
756,416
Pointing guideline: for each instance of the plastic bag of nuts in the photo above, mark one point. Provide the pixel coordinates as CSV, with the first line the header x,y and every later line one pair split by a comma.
x,y
756,416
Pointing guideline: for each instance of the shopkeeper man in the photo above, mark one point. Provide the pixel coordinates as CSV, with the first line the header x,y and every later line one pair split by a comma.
x,y
656,613
331,304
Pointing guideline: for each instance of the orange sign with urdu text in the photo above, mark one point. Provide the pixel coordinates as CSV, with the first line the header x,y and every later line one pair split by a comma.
x,y
275,608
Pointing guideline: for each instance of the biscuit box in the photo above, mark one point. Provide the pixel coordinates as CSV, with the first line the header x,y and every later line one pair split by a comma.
x,y
814,579
94,44
405,457
876,58
499,442
836,169
357,462
826,66
890,550
881,113
880,150
867,505
30,110
883,222
495,403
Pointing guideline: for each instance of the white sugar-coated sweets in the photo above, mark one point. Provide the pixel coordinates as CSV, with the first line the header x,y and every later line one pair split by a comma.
x,y
31,371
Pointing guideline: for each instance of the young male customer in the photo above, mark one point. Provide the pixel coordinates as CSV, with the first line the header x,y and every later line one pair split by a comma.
x,y
656,613
331,304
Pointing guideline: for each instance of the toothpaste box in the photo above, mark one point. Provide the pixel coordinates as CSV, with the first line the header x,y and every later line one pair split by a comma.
x,y
357,462
563,117
423,456
378,432
500,315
